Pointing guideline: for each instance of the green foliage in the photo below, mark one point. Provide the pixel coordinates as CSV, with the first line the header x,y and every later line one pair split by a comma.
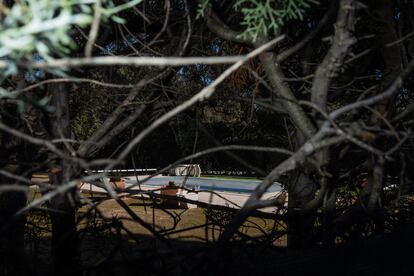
x,y
262,16
202,6
41,30
43,27
115,176
40,26
89,106
84,125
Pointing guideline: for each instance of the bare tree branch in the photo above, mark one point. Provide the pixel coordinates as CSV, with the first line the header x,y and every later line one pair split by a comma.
x,y
340,48
66,63
205,93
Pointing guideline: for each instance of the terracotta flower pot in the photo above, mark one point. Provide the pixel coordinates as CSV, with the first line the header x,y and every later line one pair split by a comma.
x,y
169,191
117,184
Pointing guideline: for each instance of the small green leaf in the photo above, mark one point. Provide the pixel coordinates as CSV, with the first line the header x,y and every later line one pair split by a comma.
x,y
20,106
118,19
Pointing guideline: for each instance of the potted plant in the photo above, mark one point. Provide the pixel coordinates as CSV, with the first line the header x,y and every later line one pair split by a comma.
x,y
117,182
170,190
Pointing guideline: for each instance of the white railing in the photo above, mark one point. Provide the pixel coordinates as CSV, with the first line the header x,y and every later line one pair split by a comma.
x,y
122,170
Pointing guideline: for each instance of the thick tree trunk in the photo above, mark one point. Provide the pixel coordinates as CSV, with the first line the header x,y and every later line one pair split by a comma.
x,y
300,225
385,37
12,254
300,192
64,236
13,152
63,207
383,26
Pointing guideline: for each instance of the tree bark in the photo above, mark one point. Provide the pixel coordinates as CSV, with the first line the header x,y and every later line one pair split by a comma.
x,y
14,152
12,253
333,61
383,26
300,225
385,35
63,207
303,190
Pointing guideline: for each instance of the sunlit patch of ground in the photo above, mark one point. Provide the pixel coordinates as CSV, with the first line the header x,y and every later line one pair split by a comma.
x,y
184,224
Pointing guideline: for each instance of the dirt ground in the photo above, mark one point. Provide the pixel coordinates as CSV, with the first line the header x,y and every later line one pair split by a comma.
x,y
106,228
184,224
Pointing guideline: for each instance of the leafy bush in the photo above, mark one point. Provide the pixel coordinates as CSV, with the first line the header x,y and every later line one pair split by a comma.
x,y
262,16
